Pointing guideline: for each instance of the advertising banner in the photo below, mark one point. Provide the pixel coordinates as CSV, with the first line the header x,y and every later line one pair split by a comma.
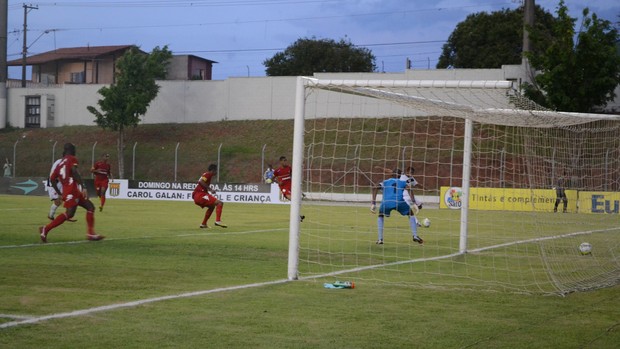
x,y
599,202
34,186
506,199
226,192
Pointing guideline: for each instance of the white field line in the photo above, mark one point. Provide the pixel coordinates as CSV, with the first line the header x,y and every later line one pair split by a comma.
x,y
15,317
207,233
88,311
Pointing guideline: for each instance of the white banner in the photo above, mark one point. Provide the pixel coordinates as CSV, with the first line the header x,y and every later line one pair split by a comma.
x,y
226,192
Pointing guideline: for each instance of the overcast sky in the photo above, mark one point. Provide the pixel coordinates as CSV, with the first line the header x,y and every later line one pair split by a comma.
x,y
241,34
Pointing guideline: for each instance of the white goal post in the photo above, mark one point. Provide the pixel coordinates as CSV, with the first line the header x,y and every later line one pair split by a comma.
x,y
502,143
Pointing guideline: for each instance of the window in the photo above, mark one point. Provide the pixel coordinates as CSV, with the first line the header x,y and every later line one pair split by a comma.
x,y
33,111
198,74
78,78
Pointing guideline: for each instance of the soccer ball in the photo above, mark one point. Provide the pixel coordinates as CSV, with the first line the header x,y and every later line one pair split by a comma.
x,y
426,222
585,248
268,181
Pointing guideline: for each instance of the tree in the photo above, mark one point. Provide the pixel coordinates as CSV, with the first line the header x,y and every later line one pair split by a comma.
x,y
307,56
576,76
128,98
488,40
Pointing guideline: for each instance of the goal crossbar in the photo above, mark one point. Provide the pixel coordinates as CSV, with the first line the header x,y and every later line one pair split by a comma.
x,y
528,114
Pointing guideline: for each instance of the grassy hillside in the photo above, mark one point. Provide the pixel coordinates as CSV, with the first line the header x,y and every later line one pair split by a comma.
x,y
242,142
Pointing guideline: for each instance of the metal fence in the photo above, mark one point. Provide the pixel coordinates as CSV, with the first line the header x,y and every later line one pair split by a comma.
x,y
145,161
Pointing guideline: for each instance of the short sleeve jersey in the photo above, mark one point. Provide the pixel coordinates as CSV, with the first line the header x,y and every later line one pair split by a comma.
x,y
393,189
410,180
206,177
284,176
64,172
54,165
104,167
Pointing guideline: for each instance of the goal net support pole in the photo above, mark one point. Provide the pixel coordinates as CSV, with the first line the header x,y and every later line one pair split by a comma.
x,y
297,175
467,147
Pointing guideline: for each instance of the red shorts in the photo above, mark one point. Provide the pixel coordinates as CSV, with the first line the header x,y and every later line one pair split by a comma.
x,y
72,197
286,191
204,199
101,184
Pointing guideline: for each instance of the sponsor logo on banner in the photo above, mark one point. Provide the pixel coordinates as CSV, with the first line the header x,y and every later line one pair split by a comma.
x,y
115,189
452,198
26,186
600,202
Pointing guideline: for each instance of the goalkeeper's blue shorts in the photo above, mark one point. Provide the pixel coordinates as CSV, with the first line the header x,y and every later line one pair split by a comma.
x,y
400,206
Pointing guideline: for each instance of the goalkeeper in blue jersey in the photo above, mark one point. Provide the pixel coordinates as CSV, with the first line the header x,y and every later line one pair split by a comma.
x,y
393,189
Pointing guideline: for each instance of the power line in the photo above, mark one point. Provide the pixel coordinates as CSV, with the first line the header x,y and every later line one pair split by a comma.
x,y
211,3
181,3
236,22
281,49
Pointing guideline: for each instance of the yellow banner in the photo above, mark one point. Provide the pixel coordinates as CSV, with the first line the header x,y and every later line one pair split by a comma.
x,y
599,202
507,199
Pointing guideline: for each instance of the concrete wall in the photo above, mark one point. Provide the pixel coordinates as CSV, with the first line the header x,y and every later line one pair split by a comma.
x,y
271,98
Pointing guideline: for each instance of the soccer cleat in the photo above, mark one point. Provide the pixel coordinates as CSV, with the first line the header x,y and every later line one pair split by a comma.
x,y
43,234
301,218
204,226
95,237
71,220
418,240
100,208
220,224
379,242
50,218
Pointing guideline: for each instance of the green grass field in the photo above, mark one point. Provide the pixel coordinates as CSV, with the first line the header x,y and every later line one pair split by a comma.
x,y
158,281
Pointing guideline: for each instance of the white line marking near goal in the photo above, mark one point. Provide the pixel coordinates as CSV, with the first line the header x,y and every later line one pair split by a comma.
x,y
144,238
16,317
75,313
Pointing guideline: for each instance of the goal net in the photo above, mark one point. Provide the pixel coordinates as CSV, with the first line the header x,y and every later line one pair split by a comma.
x,y
489,165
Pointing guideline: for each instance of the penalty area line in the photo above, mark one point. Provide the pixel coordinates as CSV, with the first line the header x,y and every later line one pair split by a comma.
x,y
34,320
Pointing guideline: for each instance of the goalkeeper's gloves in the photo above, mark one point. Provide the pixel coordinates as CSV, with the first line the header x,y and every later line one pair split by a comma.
x,y
373,207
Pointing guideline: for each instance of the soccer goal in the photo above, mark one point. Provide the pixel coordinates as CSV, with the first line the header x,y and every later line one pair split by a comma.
x,y
489,164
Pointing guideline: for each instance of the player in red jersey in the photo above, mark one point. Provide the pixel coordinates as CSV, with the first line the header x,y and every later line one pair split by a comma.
x,y
103,174
73,195
203,197
282,176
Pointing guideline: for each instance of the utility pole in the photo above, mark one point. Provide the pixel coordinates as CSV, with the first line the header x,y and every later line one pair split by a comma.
x,y
528,22
25,46
4,7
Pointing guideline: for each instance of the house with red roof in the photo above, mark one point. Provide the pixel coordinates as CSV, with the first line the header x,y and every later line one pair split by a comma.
x,y
97,65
